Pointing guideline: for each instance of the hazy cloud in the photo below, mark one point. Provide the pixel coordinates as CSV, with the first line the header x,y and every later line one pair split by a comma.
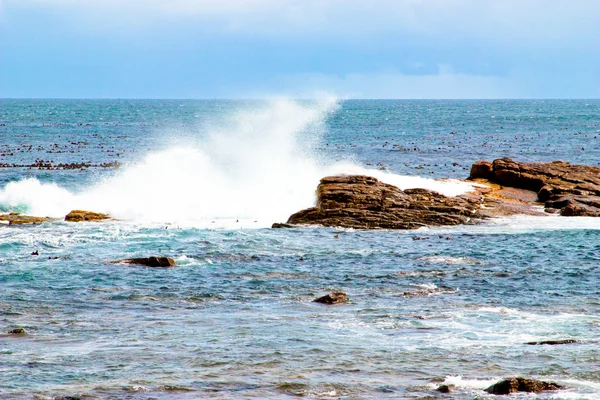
x,y
556,21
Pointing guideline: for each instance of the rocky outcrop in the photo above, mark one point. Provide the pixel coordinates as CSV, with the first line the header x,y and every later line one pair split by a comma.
x,y
332,298
154,262
363,202
513,385
81,216
572,190
18,219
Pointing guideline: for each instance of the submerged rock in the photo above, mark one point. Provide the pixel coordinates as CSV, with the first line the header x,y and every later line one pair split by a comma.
x,y
363,202
444,389
574,190
82,215
154,262
332,298
513,385
552,342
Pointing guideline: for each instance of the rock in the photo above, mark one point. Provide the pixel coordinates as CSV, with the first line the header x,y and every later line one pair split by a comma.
x,y
154,262
332,298
482,169
17,331
81,215
553,342
444,389
18,219
363,202
512,385
572,189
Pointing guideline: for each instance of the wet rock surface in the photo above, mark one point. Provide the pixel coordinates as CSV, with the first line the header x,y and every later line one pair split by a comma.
x,y
572,190
513,385
363,202
81,216
154,262
333,298
18,219
552,342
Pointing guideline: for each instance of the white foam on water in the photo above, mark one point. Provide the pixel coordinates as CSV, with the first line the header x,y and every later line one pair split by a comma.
x,y
257,168
460,382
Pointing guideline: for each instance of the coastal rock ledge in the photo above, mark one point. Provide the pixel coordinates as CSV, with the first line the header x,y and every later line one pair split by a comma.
x,y
572,190
363,202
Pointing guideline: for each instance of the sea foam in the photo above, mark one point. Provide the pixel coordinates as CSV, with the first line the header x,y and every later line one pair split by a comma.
x,y
260,165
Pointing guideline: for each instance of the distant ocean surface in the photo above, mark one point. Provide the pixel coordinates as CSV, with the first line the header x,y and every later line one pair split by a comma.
x,y
202,182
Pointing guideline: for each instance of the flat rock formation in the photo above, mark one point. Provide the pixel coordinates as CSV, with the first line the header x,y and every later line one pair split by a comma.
x,y
513,385
81,216
363,202
18,219
154,262
571,190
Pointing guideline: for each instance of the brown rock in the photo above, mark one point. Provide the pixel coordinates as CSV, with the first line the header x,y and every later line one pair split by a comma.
x,y
332,298
513,385
17,331
81,216
482,170
154,262
363,202
18,219
573,189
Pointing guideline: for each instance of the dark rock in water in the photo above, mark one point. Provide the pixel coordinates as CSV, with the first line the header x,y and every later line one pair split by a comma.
x,y
363,202
154,262
332,298
553,342
81,216
278,225
17,331
573,189
444,389
513,385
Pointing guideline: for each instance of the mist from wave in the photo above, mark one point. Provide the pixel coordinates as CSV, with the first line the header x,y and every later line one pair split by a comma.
x,y
260,165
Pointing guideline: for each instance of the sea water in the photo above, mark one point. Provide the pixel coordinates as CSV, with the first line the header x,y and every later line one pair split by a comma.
x,y
202,182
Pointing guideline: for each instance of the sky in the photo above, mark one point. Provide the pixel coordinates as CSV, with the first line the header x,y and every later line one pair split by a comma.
x,y
391,49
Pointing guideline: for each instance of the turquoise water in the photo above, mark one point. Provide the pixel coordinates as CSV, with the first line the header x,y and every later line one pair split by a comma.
x,y
201,181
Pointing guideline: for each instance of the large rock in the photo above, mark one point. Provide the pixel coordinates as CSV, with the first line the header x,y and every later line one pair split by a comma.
x,y
332,298
81,216
573,190
363,202
513,385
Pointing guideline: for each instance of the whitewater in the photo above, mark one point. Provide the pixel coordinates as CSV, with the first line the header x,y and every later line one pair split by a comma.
x,y
259,167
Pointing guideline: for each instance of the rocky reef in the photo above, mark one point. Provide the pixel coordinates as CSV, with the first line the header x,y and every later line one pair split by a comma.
x,y
571,190
364,202
501,188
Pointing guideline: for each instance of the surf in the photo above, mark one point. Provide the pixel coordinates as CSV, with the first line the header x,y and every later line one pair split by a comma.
x,y
258,166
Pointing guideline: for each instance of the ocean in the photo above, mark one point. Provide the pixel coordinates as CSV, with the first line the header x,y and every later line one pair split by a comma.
x,y
202,181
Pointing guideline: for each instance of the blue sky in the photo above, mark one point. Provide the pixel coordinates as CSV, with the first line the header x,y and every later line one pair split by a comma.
x,y
300,48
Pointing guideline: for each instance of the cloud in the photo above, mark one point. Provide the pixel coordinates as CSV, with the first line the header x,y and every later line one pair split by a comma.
x,y
390,85
521,21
